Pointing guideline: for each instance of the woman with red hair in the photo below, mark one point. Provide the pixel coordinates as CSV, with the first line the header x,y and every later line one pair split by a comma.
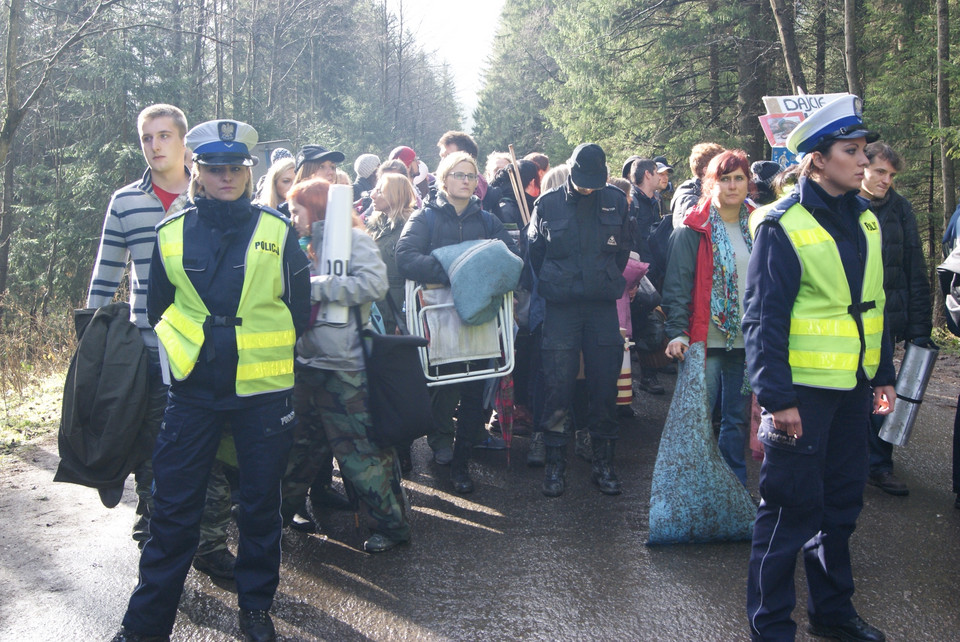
x,y
703,293
330,388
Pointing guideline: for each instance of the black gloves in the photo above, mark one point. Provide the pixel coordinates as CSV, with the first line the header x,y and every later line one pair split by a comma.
x,y
925,342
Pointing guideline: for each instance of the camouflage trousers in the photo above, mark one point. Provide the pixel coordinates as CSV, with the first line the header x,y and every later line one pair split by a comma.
x,y
332,416
216,511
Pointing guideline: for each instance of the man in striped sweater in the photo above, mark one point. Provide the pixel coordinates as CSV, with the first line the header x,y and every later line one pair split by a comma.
x,y
129,237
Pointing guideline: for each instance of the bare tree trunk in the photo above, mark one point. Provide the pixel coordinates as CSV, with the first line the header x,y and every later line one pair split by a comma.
x,y
820,29
788,41
753,67
274,58
197,94
176,50
943,108
851,55
219,110
252,62
714,62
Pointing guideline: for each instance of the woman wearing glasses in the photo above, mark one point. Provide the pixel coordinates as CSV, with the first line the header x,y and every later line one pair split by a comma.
x,y
453,217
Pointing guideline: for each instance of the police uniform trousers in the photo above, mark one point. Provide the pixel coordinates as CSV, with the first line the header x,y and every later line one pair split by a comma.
x,y
183,456
593,328
216,515
332,415
811,495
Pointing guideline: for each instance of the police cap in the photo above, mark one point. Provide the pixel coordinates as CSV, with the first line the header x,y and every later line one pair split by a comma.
x,y
840,119
223,142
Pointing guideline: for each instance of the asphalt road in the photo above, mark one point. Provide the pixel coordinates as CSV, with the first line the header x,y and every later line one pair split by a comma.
x,y
504,563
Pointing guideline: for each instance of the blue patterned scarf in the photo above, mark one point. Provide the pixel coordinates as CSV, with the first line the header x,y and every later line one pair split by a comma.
x,y
724,298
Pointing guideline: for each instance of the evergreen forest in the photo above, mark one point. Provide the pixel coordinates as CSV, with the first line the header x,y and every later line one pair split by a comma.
x,y
643,77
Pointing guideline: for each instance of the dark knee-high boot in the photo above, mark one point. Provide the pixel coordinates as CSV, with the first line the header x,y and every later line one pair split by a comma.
x,y
553,482
602,468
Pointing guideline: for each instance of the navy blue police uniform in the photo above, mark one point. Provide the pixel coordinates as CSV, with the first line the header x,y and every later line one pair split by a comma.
x,y
216,238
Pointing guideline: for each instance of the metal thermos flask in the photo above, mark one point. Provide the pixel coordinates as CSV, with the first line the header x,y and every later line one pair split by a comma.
x,y
912,382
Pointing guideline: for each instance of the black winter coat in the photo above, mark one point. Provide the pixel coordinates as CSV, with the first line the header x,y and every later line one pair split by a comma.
x,y
908,313
686,196
578,245
438,225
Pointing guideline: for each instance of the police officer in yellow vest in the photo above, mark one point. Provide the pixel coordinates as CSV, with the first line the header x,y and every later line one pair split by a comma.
x,y
229,294
815,344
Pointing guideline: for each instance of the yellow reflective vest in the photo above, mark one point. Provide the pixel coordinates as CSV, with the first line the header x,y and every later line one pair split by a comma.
x,y
825,328
263,323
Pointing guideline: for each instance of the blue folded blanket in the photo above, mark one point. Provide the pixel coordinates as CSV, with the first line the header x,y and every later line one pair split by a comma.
x,y
480,272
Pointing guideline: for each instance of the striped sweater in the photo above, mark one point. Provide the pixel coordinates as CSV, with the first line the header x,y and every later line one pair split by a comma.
x,y
129,236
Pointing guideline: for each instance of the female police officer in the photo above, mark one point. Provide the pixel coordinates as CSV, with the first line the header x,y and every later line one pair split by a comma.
x,y
815,343
229,293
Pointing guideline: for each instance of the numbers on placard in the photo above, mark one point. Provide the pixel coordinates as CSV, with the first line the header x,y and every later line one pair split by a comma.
x,y
337,267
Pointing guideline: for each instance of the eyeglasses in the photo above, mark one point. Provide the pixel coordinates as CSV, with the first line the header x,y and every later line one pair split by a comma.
x,y
460,176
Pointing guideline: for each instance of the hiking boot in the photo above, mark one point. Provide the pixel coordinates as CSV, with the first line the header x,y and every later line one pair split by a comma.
x,y
601,470
443,455
581,445
460,468
378,543
257,626
888,483
553,482
219,564
651,384
537,455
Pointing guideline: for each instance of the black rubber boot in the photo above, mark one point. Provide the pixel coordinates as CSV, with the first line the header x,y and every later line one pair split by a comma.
x,y
553,482
460,467
602,468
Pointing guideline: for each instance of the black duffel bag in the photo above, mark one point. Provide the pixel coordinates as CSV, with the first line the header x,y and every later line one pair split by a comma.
x,y
398,399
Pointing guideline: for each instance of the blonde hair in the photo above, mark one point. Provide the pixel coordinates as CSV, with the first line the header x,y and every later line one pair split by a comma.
x,y
556,177
448,163
343,178
196,189
401,200
490,171
270,196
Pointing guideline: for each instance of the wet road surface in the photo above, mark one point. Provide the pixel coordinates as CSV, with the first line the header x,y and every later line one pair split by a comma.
x,y
505,563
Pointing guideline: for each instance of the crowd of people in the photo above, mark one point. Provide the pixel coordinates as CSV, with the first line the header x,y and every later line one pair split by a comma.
x,y
797,282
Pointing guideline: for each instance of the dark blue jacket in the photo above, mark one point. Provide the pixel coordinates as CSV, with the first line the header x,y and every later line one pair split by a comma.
x,y
216,235
773,281
578,245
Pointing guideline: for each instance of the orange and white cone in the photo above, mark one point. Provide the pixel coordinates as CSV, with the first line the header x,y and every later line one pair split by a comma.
x,y
625,380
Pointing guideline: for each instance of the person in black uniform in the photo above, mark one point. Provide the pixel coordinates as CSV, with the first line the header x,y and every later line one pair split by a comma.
x,y
229,293
815,342
579,243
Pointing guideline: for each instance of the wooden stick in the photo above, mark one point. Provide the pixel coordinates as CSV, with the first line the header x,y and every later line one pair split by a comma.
x,y
518,189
